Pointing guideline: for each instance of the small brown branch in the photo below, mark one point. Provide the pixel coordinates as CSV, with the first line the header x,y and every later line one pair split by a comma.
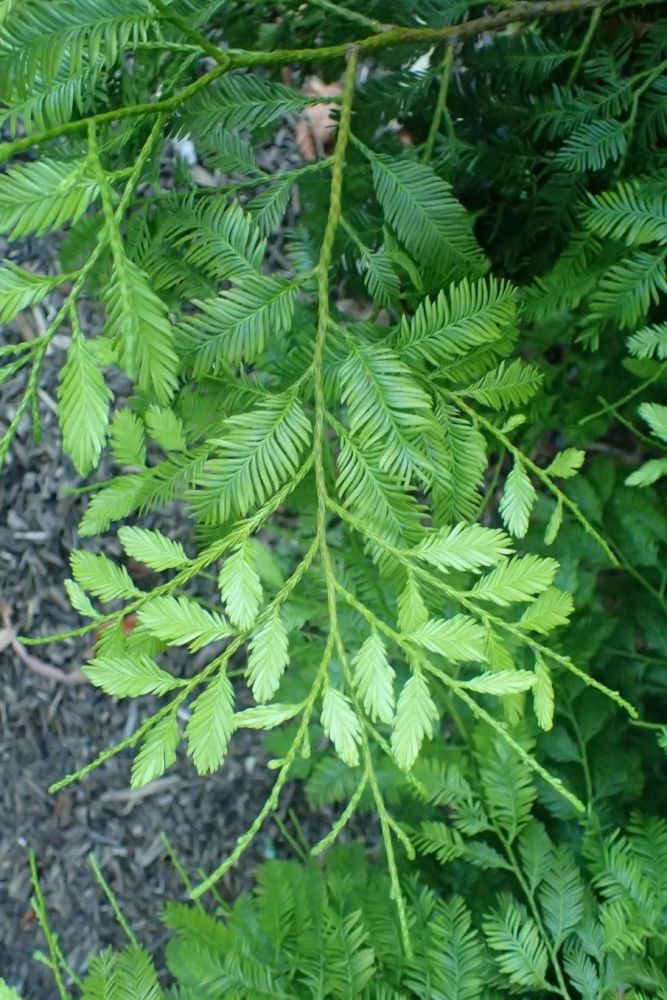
x,y
37,666
242,58
166,105
417,36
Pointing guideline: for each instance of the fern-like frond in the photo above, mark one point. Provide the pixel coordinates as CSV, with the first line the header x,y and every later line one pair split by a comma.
x,y
629,213
52,103
240,586
155,487
458,457
561,896
427,218
514,936
375,497
470,314
229,152
243,101
387,408
181,621
648,837
626,290
507,783
518,500
269,206
652,125
506,386
380,278
416,714
238,324
655,416
650,342
141,333
568,109
536,851
41,38
515,580
217,237
593,145
20,288
267,658
125,677
260,451
448,959
464,548
552,608
530,58
573,276
83,406
341,725
157,752
45,195
101,577
211,725
374,679
583,972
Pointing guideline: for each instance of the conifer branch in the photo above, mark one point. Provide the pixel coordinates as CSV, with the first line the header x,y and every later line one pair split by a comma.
x,y
273,798
440,109
593,25
238,59
324,320
459,692
186,690
195,36
617,561
419,620
416,36
460,597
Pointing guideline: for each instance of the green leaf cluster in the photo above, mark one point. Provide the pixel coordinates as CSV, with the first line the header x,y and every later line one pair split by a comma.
x,y
410,398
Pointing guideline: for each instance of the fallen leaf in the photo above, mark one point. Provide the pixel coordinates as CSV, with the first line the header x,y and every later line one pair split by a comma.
x,y
129,624
138,570
315,129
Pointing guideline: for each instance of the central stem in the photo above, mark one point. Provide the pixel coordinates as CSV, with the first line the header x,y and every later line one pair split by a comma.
x,y
333,220
323,291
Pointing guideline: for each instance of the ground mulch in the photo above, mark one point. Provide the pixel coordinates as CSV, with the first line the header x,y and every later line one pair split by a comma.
x,y
48,730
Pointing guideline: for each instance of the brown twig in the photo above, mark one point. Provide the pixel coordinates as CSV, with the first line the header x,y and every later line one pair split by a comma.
x,y
37,666
241,58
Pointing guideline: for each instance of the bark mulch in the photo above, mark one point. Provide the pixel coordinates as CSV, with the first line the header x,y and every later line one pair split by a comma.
x,y
49,729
